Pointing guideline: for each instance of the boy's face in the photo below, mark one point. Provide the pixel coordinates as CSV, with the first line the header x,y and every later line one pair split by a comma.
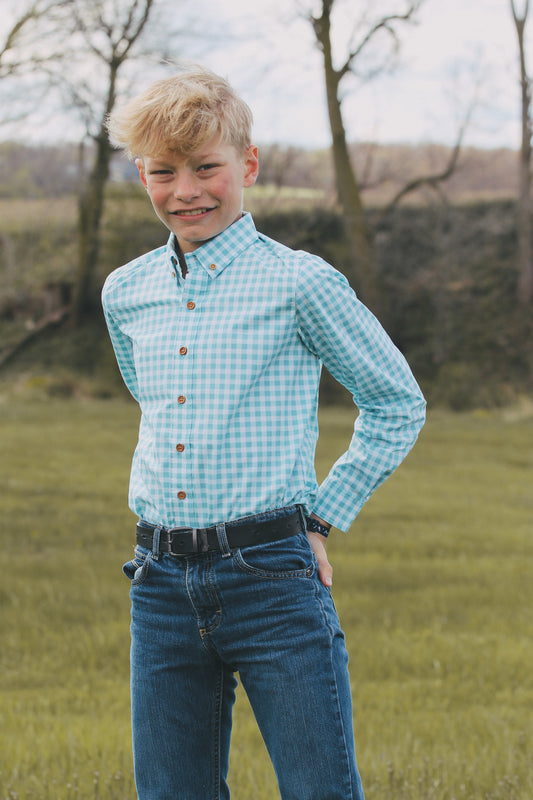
x,y
199,195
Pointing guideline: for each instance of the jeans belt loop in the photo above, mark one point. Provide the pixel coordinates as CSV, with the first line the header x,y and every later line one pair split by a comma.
x,y
155,543
200,543
223,540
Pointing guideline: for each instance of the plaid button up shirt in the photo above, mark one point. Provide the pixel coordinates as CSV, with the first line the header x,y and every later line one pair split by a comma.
x,y
225,365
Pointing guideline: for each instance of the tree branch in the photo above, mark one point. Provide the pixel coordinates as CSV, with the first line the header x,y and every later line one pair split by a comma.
x,y
129,37
435,179
519,20
37,10
386,24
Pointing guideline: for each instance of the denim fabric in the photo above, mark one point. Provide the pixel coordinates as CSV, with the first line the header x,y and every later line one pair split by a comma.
x,y
263,613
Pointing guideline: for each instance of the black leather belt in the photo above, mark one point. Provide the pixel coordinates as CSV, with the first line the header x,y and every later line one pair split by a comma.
x,y
186,541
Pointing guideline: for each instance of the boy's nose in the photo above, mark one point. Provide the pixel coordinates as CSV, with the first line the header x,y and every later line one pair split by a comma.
x,y
186,187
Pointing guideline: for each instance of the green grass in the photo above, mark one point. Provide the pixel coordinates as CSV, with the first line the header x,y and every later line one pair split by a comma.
x,y
433,585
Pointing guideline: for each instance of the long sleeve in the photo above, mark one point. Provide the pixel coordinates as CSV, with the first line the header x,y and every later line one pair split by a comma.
x,y
122,344
355,349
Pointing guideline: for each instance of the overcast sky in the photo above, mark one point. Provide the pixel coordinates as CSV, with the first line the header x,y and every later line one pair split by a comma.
x,y
459,48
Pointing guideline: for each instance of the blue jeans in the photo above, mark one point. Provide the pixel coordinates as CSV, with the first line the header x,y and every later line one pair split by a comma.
x,y
262,612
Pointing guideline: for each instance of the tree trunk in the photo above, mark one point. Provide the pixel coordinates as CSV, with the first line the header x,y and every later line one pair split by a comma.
x,y
90,209
525,228
525,255
355,223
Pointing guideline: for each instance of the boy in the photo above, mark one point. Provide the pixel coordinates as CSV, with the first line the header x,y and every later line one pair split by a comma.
x,y
220,337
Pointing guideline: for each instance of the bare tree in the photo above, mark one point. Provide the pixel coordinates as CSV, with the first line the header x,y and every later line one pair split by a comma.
x,y
364,36
95,38
434,179
24,56
525,255
17,47
108,31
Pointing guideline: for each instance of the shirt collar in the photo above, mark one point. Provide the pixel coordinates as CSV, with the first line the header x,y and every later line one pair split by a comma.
x,y
217,253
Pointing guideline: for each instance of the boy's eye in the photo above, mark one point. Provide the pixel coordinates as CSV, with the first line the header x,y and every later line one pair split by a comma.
x,y
206,167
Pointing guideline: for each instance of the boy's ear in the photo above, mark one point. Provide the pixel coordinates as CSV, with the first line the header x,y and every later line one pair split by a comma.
x,y
142,174
251,164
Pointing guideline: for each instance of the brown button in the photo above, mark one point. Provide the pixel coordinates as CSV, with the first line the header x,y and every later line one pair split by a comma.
x,y
180,448
212,266
181,399
182,495
183,351
191,304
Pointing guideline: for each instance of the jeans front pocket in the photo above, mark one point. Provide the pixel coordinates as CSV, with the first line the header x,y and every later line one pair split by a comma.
x,y
137,569
284,558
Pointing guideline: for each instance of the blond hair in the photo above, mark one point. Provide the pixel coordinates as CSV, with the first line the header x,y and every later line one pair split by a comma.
x,y
181,113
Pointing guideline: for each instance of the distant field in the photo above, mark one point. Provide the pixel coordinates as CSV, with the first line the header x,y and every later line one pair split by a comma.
x,y
433,585
21,215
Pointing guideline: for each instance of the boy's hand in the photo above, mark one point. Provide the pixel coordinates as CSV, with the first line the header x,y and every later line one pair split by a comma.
x,y
318,544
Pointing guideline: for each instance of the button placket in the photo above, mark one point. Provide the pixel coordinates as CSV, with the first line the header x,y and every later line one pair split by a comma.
x,y
188,321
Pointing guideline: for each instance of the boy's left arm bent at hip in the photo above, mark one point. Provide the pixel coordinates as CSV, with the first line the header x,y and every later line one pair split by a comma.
x,y
356,350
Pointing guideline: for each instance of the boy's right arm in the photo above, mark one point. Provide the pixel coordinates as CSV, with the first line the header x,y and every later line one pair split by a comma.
x,y
123,347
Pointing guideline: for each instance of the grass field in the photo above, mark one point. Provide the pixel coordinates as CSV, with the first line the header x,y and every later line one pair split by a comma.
x,y
433,585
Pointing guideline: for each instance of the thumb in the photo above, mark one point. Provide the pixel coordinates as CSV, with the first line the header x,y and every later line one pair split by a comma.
x,y
318,545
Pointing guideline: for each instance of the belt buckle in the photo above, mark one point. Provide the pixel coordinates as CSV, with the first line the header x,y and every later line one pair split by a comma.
x,y
199,543
176,533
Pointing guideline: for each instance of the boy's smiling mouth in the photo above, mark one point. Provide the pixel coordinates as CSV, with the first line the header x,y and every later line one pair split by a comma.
x,y
193,212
